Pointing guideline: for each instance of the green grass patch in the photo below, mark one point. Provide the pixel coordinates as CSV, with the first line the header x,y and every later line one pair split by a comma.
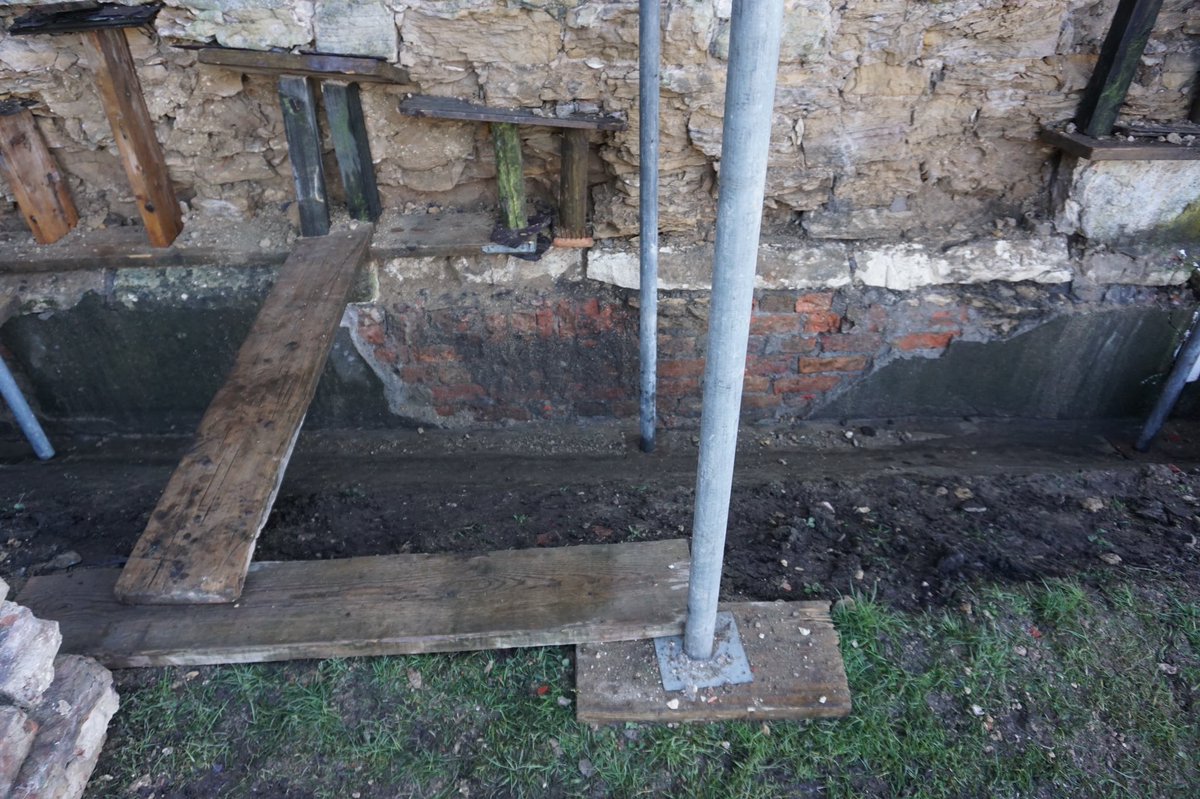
x,y
1055,690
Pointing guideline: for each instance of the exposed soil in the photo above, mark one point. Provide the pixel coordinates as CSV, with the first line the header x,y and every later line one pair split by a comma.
x,y
909,516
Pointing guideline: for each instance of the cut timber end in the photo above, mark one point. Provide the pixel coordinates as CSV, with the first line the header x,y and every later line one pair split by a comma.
x,y
201,535
34,179
121,94
389,605
793,651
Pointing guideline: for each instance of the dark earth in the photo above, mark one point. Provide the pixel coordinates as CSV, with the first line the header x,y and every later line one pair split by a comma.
x,y
911,514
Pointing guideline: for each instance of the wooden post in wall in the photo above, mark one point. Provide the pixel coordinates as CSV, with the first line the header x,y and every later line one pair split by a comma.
x,y
573,191
33,177
121,94
304,151
348,128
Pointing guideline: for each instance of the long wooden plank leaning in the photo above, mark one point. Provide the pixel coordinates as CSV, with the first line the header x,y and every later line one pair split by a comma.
x,y
201,535
398,604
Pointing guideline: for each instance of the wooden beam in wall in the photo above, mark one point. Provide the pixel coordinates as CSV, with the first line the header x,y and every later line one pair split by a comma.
x,y
304,151
133,130
347,126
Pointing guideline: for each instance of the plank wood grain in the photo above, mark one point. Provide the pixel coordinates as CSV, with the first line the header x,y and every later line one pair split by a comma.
x,y
34,179
793,651
145,167
200,538
359,69
399,604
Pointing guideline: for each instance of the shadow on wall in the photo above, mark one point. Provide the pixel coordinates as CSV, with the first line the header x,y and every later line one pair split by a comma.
x,y
1104,365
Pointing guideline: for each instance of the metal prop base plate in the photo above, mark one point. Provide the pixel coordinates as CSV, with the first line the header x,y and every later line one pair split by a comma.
x,y
728,665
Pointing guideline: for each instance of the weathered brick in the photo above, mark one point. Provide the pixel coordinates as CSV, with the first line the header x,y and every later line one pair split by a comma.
x,y
690,367
822,322
777,302
677,346
866,343
923,341
796,344
679,387
814,301
842,363
770,365
778,324
946,319
522,322
760,401
754,384
809,384
444,394
434,353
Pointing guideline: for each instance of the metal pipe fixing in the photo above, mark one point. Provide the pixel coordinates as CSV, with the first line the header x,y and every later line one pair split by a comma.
x,y
25,418
746,135
649,46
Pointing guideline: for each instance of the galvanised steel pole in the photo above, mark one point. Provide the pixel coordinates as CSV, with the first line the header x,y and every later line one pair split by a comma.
x,y
25,418
648,70
746,135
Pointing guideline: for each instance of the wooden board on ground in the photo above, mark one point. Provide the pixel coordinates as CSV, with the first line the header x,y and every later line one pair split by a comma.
x,y
201,535
792,648
1082,146
398,604
316,65
453,108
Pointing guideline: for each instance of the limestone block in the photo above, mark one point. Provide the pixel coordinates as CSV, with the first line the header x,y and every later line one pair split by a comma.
x,y
17,731
688,266
1110,201
27,649
356,27
1165,267
247,24
513,36
807,27
860,224
73,720
886,80
902,267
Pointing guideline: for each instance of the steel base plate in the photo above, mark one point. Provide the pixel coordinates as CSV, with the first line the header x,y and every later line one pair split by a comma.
x,y
728,665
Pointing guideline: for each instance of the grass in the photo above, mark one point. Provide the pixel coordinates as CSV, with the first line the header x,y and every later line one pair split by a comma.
x,y
1046,690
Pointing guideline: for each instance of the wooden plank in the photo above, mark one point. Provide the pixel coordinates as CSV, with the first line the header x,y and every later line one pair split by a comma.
x,y
359,69
126,248
34,179
1082,146
1119,58
793,651
510,175
348,128
432,235
304,151
386,605
453,108
573,191
121,93
77,19
201,535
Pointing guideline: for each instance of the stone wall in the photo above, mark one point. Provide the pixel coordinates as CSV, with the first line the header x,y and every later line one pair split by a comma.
x,y
893,117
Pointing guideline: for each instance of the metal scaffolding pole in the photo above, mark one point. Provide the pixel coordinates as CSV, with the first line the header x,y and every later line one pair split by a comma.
x,y
648,68
23,414
746,135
